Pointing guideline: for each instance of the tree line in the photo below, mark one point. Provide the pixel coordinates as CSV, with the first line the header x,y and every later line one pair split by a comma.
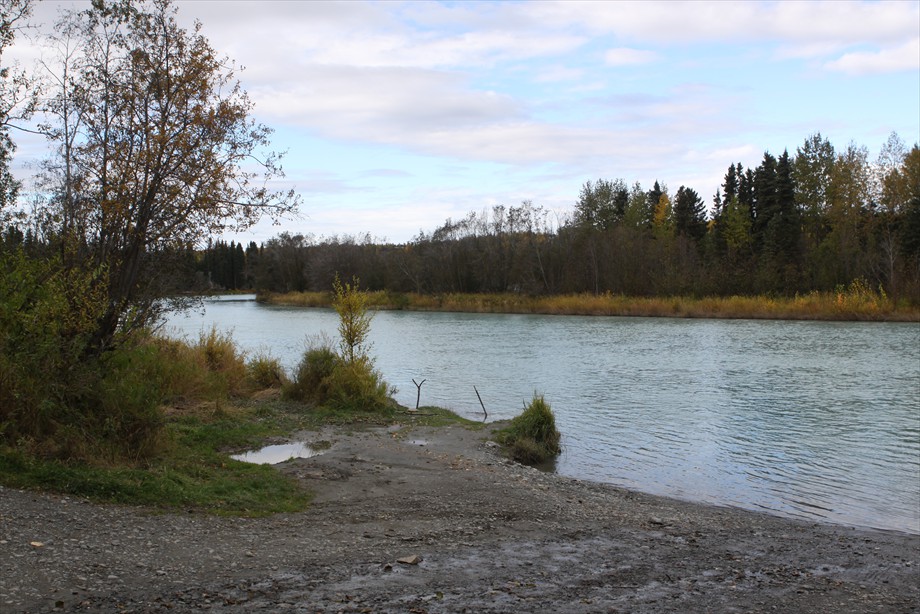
x,y
812,221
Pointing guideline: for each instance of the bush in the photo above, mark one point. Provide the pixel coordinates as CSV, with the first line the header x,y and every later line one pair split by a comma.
x,y
357,386
532,436
344,380
323,377
311,380
209,370
266,372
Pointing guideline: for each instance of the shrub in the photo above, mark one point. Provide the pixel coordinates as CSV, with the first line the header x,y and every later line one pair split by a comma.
x,y
357,386
344,380
354,320
532,436
266,372
311,380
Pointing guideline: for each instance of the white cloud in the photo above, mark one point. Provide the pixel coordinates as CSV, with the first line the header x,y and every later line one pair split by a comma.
x,y
707,22
382,104
625,56
891,59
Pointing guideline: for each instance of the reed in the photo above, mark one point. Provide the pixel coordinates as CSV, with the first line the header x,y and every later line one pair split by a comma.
x,y
854,302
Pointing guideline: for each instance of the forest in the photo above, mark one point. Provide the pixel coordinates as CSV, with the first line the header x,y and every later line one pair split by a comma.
x,y
817,220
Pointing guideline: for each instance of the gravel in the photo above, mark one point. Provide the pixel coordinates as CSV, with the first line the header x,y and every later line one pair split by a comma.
x,y
435,520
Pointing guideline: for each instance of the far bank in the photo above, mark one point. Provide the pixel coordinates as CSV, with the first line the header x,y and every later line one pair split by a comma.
x,y
855,303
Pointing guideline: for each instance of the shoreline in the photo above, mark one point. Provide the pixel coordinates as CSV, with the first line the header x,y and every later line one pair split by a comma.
x,y
489,536
822,307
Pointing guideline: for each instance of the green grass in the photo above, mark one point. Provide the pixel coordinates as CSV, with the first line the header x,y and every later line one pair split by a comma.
x,y
438,417
195,472
531,437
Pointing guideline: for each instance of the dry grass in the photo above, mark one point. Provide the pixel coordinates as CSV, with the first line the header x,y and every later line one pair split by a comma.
x,y
855,302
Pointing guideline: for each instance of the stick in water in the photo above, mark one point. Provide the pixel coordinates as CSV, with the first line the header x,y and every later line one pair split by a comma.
x,y
484,412
419,386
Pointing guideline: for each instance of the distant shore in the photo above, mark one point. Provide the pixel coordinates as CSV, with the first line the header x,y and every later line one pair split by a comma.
x,y
849,305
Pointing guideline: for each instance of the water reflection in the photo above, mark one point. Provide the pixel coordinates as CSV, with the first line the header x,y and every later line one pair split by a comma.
x,y
272,455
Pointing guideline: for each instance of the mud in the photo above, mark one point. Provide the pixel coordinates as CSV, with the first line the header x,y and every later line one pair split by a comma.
x,y
475,532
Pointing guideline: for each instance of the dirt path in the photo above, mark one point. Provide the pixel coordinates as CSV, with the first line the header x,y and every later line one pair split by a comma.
x,y
489,536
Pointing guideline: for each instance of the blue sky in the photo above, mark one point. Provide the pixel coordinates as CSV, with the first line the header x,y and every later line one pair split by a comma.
x,y
398,115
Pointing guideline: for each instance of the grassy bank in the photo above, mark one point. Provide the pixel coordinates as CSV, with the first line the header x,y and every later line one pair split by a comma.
x,y
211,402
854,303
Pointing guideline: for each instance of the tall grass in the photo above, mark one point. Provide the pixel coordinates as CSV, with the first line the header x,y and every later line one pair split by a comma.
x,y
532,437
325,378
150,422
856,301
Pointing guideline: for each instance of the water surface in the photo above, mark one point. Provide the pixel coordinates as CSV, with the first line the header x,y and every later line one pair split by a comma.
x,y
813,420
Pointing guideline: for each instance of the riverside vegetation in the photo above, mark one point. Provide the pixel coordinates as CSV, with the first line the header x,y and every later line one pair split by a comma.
x,y
169,413
853,302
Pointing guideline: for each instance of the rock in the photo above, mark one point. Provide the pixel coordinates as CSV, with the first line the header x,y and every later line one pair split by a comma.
x,y
410,560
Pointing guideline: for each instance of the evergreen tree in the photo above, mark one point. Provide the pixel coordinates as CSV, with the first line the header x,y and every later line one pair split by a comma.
x,y
730,183
784,229
689,214
653,198
764,197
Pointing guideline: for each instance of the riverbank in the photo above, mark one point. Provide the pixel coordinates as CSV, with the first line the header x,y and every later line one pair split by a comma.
x,y
475,533
856,303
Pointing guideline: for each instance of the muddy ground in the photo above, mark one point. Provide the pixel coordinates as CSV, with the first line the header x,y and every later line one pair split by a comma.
x,y
476,534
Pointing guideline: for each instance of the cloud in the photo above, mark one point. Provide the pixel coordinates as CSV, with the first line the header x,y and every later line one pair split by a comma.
x,y
558,72
669,23
892,59
625,56
382,104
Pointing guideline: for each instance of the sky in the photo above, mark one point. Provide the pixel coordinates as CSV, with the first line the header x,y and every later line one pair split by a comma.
x,y
396,116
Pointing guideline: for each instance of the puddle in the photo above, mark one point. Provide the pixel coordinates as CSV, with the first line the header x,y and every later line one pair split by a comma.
x,y
271,455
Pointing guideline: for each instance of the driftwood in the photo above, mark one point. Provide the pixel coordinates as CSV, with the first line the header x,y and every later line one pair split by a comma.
x,y
418,385
485,414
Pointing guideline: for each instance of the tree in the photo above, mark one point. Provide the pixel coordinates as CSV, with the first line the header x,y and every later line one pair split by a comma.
x,y
910,242
155,153
18,98
602,204
662,218
354,321
689,214
849,202
653,199
764,204
812,172
783,231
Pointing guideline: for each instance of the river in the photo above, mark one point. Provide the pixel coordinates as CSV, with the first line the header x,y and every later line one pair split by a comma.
x,y
812,420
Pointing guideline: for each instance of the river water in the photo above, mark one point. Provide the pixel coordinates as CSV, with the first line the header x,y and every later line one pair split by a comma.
x,y
813,420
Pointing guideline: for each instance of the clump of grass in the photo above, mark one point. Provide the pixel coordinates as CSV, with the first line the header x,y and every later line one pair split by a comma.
x,y
532,437
266,372
323,377
192,471
311,379
210,369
